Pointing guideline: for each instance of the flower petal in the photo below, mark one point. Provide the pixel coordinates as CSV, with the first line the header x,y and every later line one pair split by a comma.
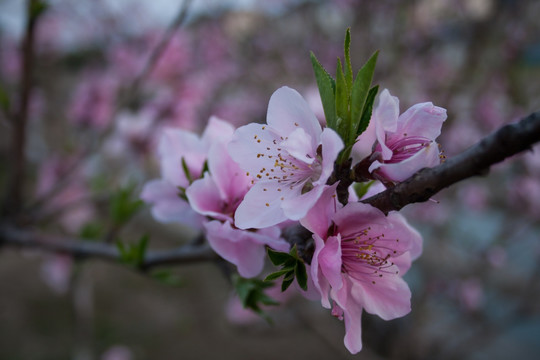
x,y
234,246
352,315
288,110
296,205
331,144
318,218
330,261
401,171
167,206
299,145
386,116
217,130
320,282
424,120
389,297
205,198
175,144
231,181
253,147
260,208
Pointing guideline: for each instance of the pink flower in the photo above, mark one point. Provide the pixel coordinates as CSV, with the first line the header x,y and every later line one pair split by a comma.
x,y
175,145
406,142
217,196
360,256
290,160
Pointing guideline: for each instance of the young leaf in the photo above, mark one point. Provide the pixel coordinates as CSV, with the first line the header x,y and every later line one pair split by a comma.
x,y
277,258
285,284
368,109
360,90
167,278
348,67
301,275
251,293
140,251
326,85
91,231
124,205
361,189
342,102
277,274
186,170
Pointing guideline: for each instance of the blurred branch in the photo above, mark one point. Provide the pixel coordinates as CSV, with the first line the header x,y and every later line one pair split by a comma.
x,y
475,161
84,249
14,196
158,50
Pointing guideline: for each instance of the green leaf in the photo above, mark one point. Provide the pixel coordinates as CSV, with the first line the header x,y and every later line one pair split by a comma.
x,y
186,171
301,275
167,278
91,231
285,284
342,102
124,205
289,275
348,67
141,249
251,293
294,252
327,86
277,258
361,189
277,274
133,254
367,111
360,90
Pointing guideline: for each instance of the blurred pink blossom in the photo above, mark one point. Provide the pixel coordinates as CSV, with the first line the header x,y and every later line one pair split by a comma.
x,y
94,101
471,293
117,352
56,272
176,147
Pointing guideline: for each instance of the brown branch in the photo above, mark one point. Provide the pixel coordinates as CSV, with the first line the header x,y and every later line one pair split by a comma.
x,y
477,160
14,195
83,249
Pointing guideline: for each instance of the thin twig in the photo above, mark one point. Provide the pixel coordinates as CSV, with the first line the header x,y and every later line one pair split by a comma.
x,y
158,51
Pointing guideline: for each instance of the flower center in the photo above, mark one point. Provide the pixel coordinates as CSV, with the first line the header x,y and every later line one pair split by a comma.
x,y
367,256
405,147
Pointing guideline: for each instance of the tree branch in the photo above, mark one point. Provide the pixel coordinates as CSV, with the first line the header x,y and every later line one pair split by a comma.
x,y
20,118
477,160
83,249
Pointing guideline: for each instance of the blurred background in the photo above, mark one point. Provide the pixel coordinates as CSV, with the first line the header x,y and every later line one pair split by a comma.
x,y
97,107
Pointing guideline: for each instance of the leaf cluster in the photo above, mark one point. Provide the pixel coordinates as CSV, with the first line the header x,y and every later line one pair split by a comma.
x,y
347,101
124,205
251,293
133,254
291,266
